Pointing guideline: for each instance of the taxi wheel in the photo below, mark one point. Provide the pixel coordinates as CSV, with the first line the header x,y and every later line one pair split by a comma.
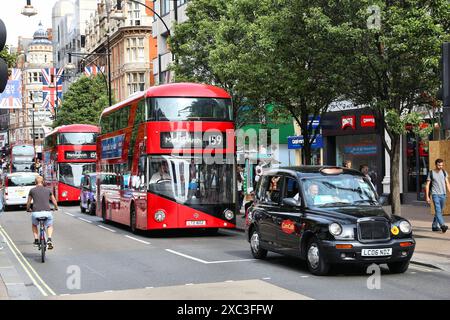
x,y
91,209
255,245
398,267
315,259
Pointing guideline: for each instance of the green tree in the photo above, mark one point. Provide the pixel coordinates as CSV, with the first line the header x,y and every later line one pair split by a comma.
x,y
8,57
395,47
83,102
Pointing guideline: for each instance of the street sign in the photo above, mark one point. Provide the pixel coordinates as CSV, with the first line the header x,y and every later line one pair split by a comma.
x,y
296,142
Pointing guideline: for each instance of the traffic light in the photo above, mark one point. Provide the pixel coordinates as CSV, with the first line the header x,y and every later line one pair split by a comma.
x,y
3,64
446,85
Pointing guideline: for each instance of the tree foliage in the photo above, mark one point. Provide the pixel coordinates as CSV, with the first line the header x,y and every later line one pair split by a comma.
x,y
83,102
396,48
9,58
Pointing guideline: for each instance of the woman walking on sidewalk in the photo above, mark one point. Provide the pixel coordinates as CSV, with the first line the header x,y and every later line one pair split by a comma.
x,y
437,183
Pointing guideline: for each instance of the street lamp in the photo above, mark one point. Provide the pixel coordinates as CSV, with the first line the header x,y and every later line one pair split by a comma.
x,y
29,10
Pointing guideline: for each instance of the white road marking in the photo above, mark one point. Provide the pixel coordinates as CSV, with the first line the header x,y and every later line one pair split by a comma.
x,y
229,281
189,284
186,256
100,226
148,287
69,214
305,276
85,220
25,265
138,240
108,291
15,284
64,295
267,278
206,262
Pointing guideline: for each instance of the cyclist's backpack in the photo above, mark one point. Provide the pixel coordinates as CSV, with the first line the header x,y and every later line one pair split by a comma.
x,y
431,181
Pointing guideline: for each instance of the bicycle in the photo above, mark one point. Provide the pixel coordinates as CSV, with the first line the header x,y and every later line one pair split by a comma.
x,y
42,246
42,237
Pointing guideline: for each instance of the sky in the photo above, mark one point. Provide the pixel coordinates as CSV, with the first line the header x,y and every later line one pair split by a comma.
x,y
20,25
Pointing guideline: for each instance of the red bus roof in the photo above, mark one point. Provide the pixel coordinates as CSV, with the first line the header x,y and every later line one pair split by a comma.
x,y
75,128
185,89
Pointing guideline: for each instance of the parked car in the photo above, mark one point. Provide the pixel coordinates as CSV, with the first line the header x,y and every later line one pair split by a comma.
x,y
326,216
88,193
16,187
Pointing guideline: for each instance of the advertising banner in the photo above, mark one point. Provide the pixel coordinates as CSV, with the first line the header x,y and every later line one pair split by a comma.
x,y
112,147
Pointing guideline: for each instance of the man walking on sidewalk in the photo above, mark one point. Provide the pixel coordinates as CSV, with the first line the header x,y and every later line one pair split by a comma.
x,y
437,183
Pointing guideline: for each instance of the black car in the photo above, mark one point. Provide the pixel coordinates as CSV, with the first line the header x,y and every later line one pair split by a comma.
x,y
326,215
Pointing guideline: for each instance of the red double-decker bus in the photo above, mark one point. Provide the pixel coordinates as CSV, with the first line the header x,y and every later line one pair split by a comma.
x,y
69,152
171,158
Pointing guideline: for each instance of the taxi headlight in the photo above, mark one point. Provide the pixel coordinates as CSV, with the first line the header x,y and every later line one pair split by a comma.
x,y
335,229
405,226
229,215
160,216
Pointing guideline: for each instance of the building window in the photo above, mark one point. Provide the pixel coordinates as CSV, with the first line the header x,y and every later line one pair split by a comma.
x,y
135,50
34,77
134,14
136,82
181,2
165,7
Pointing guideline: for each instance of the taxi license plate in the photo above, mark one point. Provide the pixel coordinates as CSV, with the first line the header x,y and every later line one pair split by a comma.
x,y
196,223
376,252
21,193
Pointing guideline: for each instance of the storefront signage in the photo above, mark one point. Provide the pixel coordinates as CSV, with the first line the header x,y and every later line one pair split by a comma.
x,y
187,140
348,122
367,121
80,155
296,142
112,147
361,150
314,122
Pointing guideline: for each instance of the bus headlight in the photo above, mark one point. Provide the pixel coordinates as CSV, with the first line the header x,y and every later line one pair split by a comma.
x,y
64,193
160,216
229,215
405,226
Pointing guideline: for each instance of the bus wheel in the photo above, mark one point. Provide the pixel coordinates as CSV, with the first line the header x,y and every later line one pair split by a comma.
x,y
104,211
133,219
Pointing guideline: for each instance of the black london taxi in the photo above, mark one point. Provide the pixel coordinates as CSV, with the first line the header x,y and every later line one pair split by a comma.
x,y
326,215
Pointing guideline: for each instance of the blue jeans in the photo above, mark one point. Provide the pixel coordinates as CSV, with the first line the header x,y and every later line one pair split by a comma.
x,y
439,203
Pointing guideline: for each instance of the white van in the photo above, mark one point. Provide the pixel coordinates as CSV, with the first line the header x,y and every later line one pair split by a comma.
x,y
16,187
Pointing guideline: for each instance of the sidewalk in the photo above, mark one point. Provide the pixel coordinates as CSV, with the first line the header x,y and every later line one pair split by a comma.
x,y
432,248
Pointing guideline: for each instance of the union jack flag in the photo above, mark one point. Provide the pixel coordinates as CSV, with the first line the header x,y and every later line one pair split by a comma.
x,y
12,95
52,91
93,70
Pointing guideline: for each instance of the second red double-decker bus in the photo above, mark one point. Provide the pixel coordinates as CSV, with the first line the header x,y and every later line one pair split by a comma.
x,y
69,152
173,163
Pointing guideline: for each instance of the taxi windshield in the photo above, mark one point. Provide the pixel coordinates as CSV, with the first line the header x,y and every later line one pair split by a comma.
x,y
338,190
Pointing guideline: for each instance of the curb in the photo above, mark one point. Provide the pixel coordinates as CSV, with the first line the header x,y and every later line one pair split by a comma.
x,y
425,265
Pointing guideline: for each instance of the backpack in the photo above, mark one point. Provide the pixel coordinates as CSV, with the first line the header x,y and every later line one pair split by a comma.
x,y
431,181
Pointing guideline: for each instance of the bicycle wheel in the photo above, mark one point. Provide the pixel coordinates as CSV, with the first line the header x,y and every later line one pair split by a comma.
x,y
43,243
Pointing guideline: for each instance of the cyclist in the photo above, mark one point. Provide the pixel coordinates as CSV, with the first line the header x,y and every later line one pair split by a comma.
x,y
41,208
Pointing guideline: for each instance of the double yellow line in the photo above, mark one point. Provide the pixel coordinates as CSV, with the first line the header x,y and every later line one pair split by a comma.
x,y
29,270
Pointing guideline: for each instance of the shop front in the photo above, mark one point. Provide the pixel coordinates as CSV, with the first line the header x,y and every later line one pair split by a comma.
x,y
354,135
